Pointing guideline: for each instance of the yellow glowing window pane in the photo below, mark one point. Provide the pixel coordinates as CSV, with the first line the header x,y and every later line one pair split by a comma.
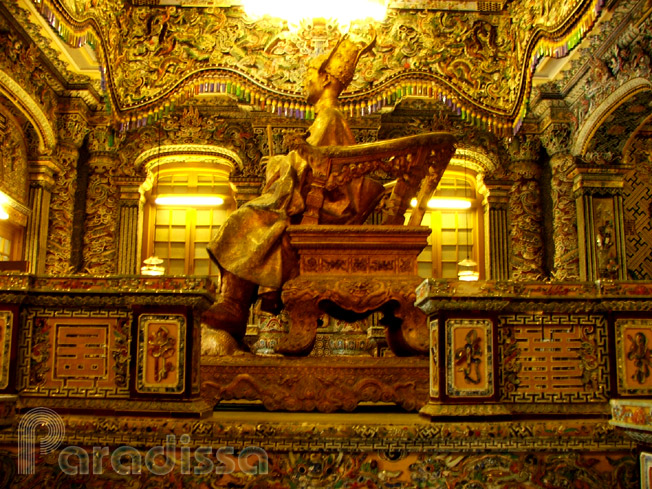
x,y
177,250
448,237
201,267
203,235
177,267
178,234
179,217
449,253
448,220
449,270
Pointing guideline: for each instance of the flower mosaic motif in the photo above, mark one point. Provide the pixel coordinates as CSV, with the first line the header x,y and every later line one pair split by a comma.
x,y
641,355
161,346
469,357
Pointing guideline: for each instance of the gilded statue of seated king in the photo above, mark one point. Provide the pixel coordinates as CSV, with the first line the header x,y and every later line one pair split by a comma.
x,y
252,248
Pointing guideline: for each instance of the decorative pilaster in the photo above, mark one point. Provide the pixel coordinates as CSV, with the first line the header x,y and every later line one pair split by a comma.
x,y
72,130
600,218
497,228
129,225
556,139
526,216
42,177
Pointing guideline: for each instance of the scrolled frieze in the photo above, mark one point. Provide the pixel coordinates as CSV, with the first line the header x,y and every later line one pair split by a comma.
x,y
600,158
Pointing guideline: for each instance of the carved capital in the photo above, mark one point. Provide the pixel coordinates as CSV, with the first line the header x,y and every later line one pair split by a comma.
x,y
42,172
556,138
246,189
100,140
129,190
524,147
72,128
598,180
496,193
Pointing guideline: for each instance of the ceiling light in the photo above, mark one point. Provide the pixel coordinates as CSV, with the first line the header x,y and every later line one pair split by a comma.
x,y
344,11
439,203
189,200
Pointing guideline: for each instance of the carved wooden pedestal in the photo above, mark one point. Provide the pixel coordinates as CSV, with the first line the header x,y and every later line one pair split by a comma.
x,y
349,272
325,384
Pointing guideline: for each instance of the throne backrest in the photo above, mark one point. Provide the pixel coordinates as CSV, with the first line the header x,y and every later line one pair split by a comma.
x,y
418,163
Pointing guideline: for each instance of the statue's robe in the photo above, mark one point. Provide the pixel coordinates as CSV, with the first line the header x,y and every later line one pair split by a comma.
x,y
252,243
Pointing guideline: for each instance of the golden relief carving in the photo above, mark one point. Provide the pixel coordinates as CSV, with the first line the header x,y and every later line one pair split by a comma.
x,y
161,55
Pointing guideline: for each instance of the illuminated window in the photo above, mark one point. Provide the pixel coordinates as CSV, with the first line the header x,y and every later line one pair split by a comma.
x,y
456,233
178,233
5,249
11,238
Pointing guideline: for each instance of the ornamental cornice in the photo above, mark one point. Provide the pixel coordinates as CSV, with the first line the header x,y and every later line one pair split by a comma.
x,y
176,150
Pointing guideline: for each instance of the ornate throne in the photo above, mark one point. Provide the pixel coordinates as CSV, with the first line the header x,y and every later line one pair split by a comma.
x,y
348,271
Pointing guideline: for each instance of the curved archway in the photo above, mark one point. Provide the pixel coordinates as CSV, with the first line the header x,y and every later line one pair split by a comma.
x,y
620,114
46,133
189,153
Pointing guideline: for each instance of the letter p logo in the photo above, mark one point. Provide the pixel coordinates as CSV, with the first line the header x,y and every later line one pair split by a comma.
x,y
32,424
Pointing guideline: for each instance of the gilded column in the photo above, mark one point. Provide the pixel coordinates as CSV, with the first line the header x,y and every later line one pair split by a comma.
x,y
600,217
72,129
496,203
41,182
101,213
556,139
526,214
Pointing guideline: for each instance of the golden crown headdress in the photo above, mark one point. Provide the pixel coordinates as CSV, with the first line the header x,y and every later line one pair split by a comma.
x,y
344,58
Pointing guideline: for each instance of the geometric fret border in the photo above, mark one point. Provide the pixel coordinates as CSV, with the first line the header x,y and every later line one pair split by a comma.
x,y
591,357
161,367
469,358
76,353
6,329
634,356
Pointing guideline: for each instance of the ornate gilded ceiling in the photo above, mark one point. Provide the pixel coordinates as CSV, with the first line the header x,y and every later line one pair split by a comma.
x,y
478,57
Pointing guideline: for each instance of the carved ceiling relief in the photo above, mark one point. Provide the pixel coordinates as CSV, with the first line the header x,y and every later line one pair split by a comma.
x,y
149,50
13,158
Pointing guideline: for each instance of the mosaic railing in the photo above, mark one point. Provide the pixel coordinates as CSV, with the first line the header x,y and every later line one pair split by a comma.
x,y
110,344
536,348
